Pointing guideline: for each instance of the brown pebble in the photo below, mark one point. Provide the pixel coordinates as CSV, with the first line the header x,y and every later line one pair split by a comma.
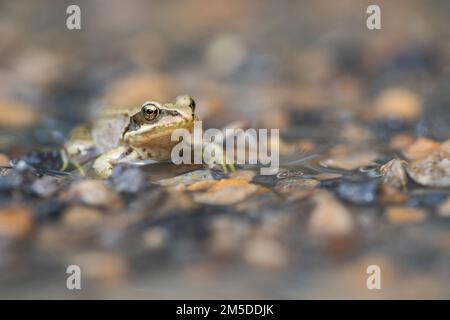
x,y
93,193
265,252
82,217
392,195
404,215
15,222
401,141
16,115
420,148
397,103
351,161
4,160
431,171
329,217
154,238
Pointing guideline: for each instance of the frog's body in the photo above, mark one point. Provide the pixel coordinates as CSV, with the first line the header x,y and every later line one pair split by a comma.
x,y
135,134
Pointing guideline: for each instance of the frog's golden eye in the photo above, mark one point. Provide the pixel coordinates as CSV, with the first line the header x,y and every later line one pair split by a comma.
x,y
150,111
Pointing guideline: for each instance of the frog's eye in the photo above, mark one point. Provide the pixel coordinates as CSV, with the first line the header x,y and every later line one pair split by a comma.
x,y
150,111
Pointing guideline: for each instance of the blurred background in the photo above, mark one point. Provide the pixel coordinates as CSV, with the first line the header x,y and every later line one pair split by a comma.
x,y
310,68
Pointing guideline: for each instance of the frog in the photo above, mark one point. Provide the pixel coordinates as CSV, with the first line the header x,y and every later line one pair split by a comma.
x,y
137,133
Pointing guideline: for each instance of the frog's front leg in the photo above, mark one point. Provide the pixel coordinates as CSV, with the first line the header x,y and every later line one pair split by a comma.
x,y
104,164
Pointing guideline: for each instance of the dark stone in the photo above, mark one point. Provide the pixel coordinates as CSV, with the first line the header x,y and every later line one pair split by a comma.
x,y
358,191
49,210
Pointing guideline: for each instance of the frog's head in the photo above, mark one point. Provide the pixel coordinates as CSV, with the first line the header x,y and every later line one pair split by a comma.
x,y
155,121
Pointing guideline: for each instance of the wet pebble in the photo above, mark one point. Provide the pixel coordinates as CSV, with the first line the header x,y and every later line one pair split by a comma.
x,y
397,103
127,180
426,198
16,115
228,191
266,253
93,193
292,185
187,178
432,171
405,215
45,187
391,195
351,161
4,160
358,191
154,238
227,235
329,217
48,210
393,174
247,175
43,160
82,217
420,148
15,223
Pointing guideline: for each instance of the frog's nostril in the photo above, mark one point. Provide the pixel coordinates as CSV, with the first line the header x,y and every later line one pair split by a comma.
x,y
192,104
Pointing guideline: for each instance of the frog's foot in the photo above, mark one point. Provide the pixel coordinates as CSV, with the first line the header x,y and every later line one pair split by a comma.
x,y
104,164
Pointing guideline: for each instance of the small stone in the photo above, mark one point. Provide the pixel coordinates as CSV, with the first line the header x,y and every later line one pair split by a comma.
x,y
397,103
4,160
45,187
329,217
15,223
351,161
401,141
82,217
201,185
391,195
293,185
354,133
228,191
247,175
265,252
48,210
154,238
393,174
432,171
283,174
421,148
358,191
16,115
227,235
187,178
93,193
127,180
405,215
444,209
